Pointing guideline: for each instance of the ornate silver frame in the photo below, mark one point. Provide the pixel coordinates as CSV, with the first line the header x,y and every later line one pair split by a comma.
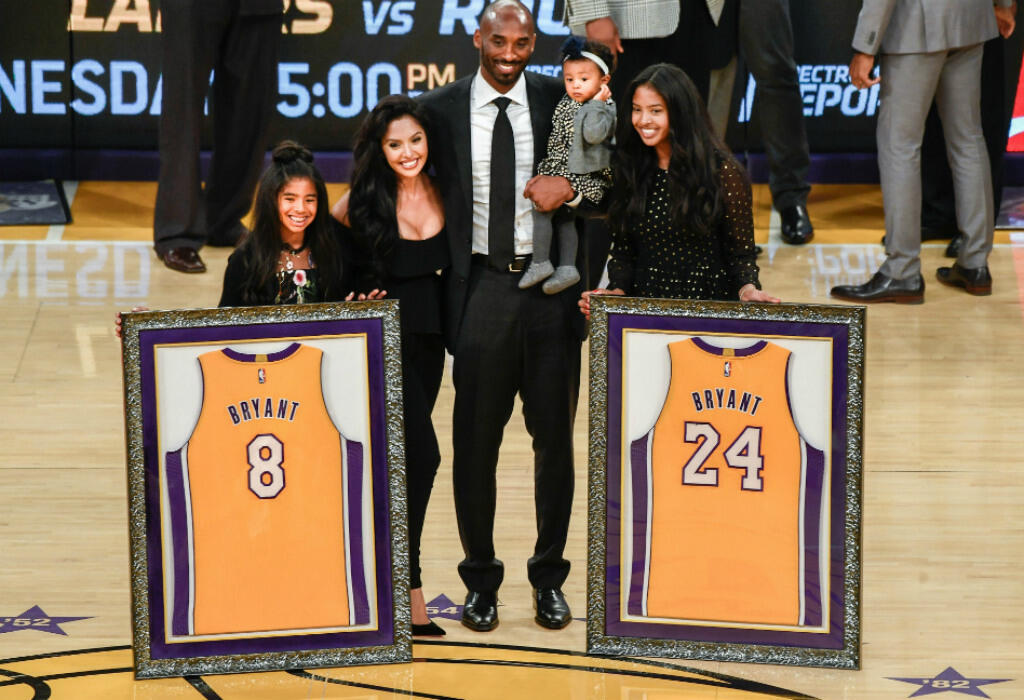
x,y
611,316
391,642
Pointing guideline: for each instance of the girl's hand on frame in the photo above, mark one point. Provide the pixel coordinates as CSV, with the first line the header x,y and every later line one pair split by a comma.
x,y
117,319
749,292
584,302
375,294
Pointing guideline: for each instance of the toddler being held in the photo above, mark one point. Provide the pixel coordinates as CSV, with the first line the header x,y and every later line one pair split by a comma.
x,y
579,149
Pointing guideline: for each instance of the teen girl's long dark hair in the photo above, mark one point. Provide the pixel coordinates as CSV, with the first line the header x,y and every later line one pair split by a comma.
x,y
290,161
695,199
373,197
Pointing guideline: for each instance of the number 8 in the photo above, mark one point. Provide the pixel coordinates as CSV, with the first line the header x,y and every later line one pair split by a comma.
x,y
270,465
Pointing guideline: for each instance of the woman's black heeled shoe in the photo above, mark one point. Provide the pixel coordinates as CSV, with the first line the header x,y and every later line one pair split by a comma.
x,y
431,629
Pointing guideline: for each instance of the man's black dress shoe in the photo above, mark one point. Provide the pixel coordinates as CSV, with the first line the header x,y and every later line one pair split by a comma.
x,y
976,280
883,288
183,260
953,249
431,629
481,611
796,225
552,610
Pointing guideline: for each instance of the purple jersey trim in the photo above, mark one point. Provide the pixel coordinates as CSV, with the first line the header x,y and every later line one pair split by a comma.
x,y
272,357
359,599
638,468
812,533
180,545
737,352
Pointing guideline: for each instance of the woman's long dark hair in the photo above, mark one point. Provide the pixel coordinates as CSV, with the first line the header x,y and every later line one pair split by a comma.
x,y
373,197
290,161
695,199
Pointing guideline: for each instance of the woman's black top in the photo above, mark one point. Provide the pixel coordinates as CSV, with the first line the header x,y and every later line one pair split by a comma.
x,y
414,278
657,258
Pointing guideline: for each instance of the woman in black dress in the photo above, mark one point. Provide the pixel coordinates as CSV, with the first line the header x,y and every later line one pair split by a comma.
x,y
397,219
680,212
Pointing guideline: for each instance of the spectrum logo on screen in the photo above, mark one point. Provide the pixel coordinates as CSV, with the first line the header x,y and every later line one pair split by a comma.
x,y
826,90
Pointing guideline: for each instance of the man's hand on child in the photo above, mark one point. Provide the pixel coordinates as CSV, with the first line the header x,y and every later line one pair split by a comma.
x,y
603,94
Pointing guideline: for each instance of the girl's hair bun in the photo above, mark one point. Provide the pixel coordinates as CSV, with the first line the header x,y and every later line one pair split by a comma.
x,y
290,151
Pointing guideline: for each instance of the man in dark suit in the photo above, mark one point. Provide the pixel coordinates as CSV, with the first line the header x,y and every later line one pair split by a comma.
x,y
490,130
238,39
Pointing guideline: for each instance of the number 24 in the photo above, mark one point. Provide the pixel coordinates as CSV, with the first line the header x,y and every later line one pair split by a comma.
x,y
744,453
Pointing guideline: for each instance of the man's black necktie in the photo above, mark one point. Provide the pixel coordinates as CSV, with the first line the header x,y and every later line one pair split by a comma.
x,y
500,242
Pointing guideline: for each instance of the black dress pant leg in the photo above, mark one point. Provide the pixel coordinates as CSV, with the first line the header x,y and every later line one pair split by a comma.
x,y
766,43
192,33
422,367
486,378
244,93
511,341
550,391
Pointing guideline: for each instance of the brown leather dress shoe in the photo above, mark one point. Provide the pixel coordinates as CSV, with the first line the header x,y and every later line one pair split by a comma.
x,y
976,280
883,288
183,259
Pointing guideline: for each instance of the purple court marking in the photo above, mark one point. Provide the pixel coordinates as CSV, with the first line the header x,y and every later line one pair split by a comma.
x,y
951,681
36,619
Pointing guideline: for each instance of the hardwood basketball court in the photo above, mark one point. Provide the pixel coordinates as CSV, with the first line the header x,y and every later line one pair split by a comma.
x,y
943,588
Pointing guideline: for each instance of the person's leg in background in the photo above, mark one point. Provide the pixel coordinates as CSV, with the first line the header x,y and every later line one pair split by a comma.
x,y
766,45
907,89
1001,58
244,93
192,34
958,99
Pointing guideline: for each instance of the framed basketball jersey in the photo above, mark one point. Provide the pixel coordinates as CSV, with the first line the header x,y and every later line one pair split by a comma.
x,y
266,457
725,482
266,488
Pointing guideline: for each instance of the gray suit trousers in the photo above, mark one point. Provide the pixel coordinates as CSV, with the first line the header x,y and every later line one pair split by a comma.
x,y
909,83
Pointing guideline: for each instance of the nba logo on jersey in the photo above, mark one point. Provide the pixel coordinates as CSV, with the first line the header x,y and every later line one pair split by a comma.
x,y
727,370
262,375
